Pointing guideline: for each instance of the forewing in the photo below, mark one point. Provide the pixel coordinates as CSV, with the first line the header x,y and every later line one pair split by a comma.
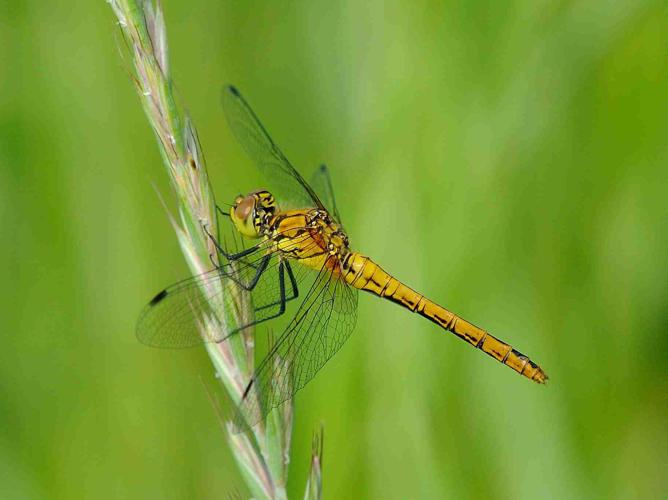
x,y
322,324
227,294
286,183
321,183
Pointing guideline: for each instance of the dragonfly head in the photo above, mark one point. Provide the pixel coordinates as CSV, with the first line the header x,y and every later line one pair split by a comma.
x,y
251,213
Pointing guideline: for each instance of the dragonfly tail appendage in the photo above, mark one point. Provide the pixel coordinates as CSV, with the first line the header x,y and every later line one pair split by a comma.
x,y
364,274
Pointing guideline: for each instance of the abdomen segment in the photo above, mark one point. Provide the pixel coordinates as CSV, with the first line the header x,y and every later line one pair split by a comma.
x,y
362,273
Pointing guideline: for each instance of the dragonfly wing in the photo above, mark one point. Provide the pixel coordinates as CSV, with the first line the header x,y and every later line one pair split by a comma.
x,y
236,296
321,325
322,185
291,187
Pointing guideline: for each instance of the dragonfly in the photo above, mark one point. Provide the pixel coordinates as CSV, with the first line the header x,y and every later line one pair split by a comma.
x,y
300,254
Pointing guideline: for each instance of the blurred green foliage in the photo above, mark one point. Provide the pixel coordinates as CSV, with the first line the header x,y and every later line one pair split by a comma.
x,y
508,159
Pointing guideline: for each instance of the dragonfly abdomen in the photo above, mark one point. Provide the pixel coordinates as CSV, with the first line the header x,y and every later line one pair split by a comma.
x,y
362,273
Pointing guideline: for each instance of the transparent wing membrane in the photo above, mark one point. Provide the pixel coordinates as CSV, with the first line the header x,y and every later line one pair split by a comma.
x,y
322,185
263,283
324,321
285,182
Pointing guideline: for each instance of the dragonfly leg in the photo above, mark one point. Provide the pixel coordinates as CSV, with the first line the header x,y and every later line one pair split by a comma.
x,y
213,239
243,253
234,233
216,244
259,270
293,281
283,267
220,211
282,297
213,261
227,255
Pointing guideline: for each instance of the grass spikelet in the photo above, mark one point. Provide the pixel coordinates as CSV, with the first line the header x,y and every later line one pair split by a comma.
x,y
263,452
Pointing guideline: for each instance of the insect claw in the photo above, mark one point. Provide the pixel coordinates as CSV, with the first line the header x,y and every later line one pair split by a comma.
x,y
213,261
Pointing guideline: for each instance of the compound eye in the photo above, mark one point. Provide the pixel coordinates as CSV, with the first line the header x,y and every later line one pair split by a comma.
x,y
244,207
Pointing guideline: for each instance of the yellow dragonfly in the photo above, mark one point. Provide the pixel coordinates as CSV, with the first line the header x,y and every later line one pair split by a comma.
x,y
301,254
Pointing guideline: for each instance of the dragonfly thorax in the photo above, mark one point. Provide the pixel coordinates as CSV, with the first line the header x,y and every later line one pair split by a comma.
x,y
310,236
334,239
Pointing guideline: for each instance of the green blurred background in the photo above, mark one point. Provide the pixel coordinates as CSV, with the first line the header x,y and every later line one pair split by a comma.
x,y
509,159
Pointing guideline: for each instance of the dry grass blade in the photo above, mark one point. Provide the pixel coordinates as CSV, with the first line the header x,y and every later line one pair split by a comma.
x,y
143,27
314,484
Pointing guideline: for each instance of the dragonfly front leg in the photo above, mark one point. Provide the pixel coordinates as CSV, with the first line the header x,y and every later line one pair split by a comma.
x,y
230,256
